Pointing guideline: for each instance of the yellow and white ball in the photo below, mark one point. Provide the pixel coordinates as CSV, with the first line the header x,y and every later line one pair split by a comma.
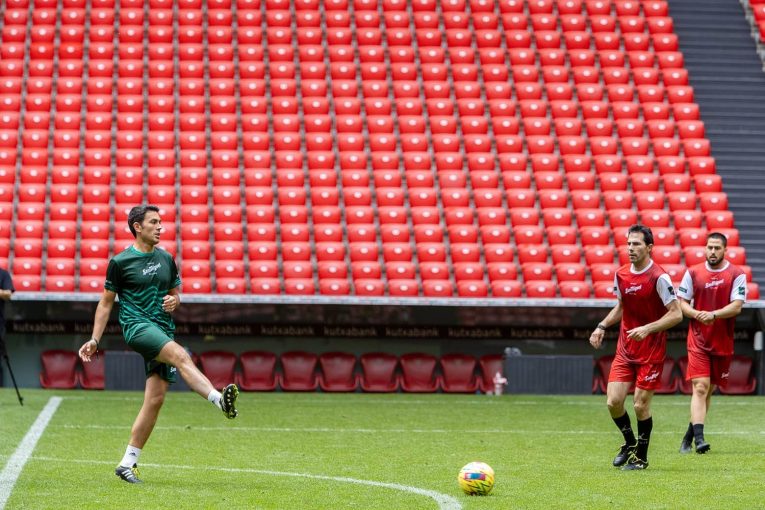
x,y
476,479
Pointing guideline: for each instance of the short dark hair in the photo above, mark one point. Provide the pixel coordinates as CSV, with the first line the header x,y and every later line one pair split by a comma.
x,y
642,229
137,215
721,237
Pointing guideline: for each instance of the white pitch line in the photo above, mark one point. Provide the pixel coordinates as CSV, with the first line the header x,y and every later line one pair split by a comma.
x,y
335,430
444,501
20,457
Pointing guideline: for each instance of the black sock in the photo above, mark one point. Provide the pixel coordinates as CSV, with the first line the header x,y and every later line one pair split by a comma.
x,y
698,433
644,437
689,434
625,427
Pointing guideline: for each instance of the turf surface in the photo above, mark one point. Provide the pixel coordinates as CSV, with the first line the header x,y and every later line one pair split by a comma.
x,y
359,451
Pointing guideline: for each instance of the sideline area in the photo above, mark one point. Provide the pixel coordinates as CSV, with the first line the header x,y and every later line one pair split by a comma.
x,y
16,462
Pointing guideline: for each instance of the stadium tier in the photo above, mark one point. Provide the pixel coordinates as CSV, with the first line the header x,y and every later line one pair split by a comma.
x,y
391,148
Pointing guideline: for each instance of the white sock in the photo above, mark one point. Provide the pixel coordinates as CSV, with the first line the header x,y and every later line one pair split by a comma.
x,y
215,398
131,456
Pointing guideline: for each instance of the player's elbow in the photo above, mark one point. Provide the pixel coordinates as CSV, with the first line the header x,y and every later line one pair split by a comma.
x,y
737,307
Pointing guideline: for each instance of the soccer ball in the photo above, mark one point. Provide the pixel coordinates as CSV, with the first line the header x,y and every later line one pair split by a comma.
x,y
476,479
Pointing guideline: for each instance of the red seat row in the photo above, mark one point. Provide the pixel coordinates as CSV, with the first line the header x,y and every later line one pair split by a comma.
x,y
62,369
741,379
337,371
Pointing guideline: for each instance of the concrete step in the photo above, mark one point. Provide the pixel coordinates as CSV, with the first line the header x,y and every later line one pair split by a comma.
x,y
729,86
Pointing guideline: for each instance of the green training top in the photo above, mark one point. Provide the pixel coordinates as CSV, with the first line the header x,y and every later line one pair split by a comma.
x,y
141,280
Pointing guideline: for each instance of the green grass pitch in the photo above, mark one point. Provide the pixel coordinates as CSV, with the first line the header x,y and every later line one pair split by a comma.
x,y
360,451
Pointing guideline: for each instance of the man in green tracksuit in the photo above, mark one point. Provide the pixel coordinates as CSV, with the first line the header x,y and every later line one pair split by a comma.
x,y
146,280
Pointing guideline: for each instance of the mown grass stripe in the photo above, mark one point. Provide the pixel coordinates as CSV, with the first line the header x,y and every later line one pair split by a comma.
x,y
16,462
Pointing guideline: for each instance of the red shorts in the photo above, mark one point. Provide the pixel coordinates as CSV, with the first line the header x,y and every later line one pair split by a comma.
x,y
646,376
701,364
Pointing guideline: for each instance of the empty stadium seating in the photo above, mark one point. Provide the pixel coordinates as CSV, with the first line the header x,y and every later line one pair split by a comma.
x,y
298,371
218,366
519,124
741,377
418,373
458,373
59,369
258,371
490,365
379,372
338,372
91,375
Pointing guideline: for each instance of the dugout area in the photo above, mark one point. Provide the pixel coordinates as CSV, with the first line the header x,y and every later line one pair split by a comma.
x,y
475,328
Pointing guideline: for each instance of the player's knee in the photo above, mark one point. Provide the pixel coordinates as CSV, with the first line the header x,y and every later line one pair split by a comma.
x,y
175,355
156,401
701,388
184,361
642,407
614,404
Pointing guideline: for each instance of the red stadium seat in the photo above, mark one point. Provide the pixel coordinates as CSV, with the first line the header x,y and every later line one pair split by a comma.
x,y
490,364
719,219
669,382
472,288
298,371
338,372
711,201
690,236
736,254
59,283
575,289
565,253
379,372
540,289
419,373
92,375
506,288
299,286
694,255
675,271
458,373
741,378
569,271
599,254
687,219
655,217
666,254
603,271
604,290
403,287
707,183
218,366
258,371
753,290
58,369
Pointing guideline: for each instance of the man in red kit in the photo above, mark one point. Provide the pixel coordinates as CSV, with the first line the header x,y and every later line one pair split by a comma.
x,y
647,307
717,289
